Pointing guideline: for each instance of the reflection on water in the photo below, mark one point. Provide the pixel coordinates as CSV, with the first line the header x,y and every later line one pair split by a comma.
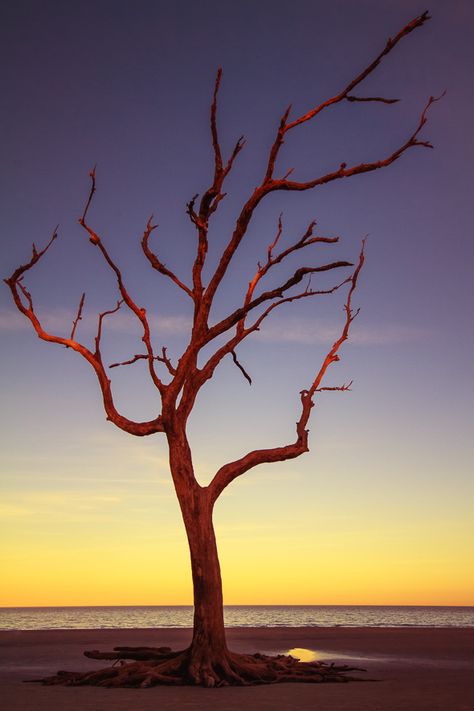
x,y
304,655
312,655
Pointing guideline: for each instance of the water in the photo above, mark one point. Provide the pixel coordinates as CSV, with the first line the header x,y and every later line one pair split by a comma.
x,y
37,618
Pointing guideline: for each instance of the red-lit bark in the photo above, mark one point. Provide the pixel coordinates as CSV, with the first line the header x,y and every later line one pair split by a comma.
x,y
208,661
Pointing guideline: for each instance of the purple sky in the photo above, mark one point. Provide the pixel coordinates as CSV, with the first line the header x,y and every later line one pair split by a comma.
x,y
127,86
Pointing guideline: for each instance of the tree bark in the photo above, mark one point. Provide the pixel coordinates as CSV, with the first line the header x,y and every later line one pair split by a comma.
x,y
208,650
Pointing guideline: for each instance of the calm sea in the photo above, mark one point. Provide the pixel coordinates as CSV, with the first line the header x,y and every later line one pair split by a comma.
x,y
40,618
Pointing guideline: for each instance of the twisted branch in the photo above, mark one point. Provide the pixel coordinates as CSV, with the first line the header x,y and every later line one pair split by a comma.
x,y
17,288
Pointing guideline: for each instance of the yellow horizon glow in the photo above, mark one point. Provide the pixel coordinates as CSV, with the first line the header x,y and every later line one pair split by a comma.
x,y
115,537
281,570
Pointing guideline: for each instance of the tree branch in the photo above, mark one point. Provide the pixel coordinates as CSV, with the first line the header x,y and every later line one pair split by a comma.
x,y
289,299
156,263
199,377
241,368
269,184
226,474
35,257
17,288
372,98
239,314
163,358
78,316
213,195
306,240
91,195
140,313
215,137
139,356
341,388
143,356
345,172
333,356
99,328
345,93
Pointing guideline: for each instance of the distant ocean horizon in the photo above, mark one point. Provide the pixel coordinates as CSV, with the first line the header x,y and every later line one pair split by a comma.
x,y
172,616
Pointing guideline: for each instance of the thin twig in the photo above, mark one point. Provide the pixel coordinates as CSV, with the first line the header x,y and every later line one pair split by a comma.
x,y
78,316
241,368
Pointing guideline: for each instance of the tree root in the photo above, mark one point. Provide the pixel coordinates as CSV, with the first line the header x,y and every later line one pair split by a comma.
x,y
152,666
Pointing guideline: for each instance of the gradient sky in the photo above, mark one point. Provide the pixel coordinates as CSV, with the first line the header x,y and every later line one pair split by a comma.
x,y
380,510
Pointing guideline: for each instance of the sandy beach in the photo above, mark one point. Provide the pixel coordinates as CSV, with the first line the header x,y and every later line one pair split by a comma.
x,y
428,669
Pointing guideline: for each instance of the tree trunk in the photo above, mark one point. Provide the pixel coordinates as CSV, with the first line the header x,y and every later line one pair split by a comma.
x,y
208,651
207,661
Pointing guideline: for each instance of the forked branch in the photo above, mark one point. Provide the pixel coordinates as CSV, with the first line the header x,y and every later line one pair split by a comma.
x,y
333,356
231,471
212,197
163,358
140,313
305,241
345,172
238,316
18,290
346,92
270,184
199,377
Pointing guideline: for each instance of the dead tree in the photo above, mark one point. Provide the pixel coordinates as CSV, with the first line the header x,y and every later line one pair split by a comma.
x,y
208,661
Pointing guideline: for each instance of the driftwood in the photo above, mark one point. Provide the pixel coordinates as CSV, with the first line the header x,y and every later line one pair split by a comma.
x,y
137,653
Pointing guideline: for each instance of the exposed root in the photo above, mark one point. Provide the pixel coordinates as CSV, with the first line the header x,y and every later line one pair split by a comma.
x,y
152,666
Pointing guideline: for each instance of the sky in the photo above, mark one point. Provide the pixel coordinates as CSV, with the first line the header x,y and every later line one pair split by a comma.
x,y
380,510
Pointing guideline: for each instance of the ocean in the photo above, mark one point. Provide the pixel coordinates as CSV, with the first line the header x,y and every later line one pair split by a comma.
x,y
41,618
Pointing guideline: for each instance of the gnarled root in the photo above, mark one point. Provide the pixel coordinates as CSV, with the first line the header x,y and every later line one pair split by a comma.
x,y
152,666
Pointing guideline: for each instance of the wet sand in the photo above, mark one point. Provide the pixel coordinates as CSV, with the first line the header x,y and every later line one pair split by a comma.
x,y
427,669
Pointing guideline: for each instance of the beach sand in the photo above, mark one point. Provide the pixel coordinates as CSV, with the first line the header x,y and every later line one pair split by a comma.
x,y
418,669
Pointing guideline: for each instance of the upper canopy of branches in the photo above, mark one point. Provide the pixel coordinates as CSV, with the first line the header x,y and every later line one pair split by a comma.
x,y
184,379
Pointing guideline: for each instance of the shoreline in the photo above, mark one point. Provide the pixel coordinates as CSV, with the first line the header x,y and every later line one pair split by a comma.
x,y
419,669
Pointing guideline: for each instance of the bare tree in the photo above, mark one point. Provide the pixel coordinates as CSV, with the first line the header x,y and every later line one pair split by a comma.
x,y
208,661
